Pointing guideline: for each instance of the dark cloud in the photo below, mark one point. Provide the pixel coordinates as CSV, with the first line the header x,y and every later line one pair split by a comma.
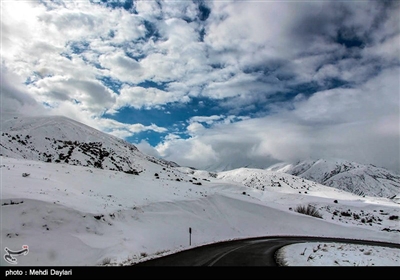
x,y
352,24
204,10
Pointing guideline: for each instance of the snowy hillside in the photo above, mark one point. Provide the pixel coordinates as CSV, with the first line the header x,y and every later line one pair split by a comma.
x,y
76,215
69,188
62,140
353,177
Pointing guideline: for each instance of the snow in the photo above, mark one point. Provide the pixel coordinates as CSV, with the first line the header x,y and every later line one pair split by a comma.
x,y
73,214
338,254
342,174
83,216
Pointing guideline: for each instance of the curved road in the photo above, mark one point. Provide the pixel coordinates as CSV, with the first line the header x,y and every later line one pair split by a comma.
x,y
245,252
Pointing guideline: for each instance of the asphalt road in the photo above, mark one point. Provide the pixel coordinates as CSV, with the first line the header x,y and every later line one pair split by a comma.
x,y
246,252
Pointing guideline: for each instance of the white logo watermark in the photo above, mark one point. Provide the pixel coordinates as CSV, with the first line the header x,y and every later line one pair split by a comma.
x,y
9,256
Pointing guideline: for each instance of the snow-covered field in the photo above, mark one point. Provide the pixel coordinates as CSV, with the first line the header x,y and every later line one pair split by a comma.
x,y
338,254
83,216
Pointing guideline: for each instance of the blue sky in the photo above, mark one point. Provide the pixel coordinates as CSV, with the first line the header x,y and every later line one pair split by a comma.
x,y
214,84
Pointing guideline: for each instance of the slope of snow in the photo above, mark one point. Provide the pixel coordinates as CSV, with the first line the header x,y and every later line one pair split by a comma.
x,y
63,140
353,177
76,215
77,196
337,254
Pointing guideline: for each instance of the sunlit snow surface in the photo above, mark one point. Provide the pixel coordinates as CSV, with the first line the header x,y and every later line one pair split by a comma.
x,y
338,254
74,215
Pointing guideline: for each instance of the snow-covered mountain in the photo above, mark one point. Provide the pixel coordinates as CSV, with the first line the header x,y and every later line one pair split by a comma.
x,y
59,139
78,216
353,177
66,195
62,140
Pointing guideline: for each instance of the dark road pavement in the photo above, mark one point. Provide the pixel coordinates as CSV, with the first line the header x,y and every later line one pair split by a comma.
x,y
247,252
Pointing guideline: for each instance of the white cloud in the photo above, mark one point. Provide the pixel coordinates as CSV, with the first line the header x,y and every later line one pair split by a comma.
x,y
356,124
195,128
257,31
240,37
124,130
120,133
127,27
253,53
147,149
90,95
148,9
239,84
178,56
35,42
188,153
389,50
129,130
139,97
375,98
122,67
179,9
14,97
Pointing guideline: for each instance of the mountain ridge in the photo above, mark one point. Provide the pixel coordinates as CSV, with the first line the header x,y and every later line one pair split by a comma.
x,y
59,139
357,178
62,140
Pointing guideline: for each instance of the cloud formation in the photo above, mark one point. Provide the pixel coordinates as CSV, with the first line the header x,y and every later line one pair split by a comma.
x,y
286,80
356,124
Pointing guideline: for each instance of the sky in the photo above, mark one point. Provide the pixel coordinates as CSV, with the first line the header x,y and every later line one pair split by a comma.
x,y
206,83
82,216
